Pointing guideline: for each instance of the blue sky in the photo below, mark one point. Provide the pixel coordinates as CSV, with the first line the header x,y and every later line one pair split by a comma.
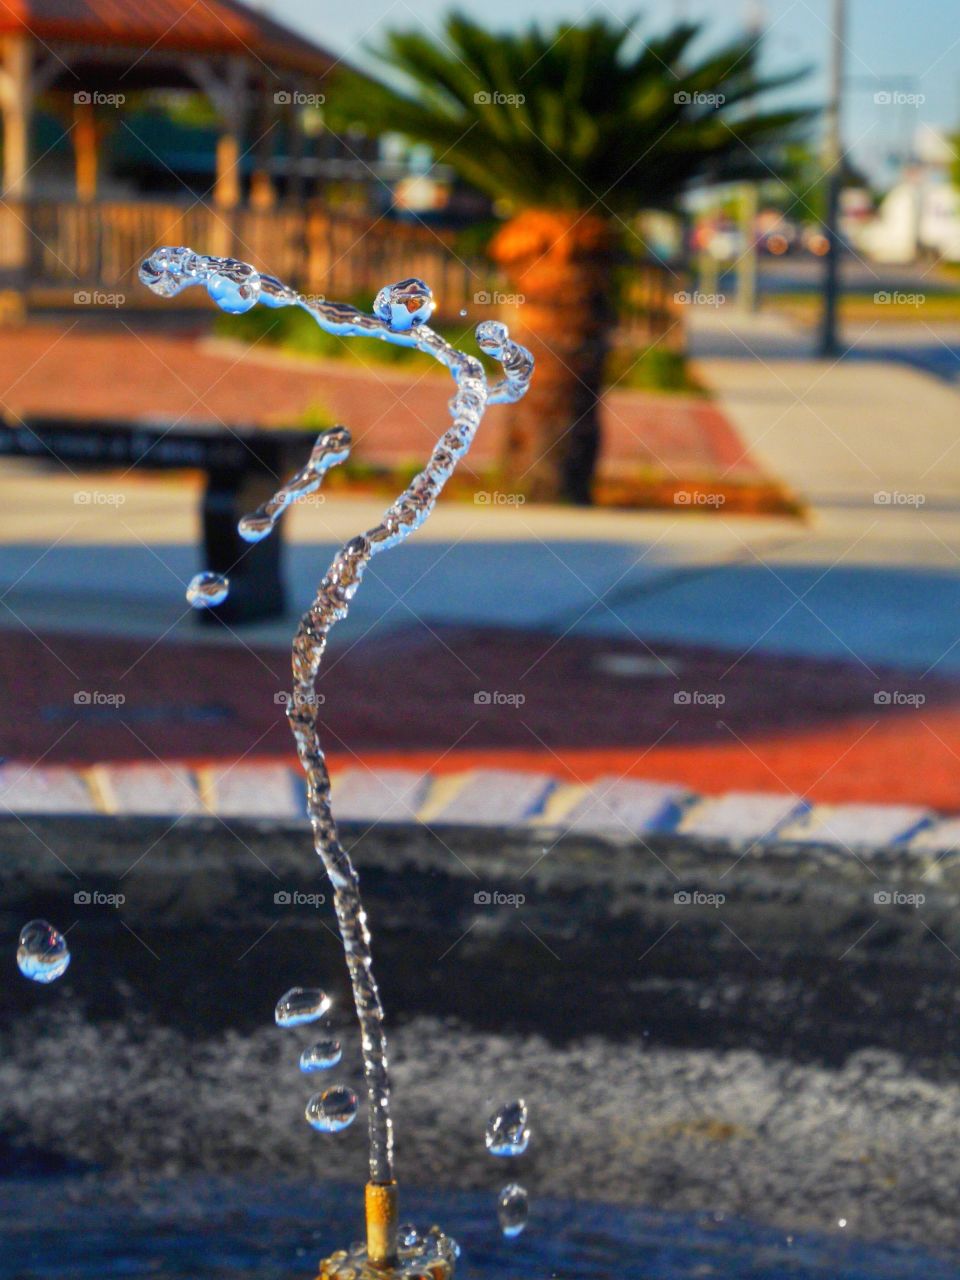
x,y
910,46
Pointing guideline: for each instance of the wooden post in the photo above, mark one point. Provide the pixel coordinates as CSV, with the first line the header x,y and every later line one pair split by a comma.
x,y
86,147
16,99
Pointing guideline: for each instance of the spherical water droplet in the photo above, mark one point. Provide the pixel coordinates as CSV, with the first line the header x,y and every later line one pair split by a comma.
x,y
463,311
507,1132
233,291
207,589
300,1005
42,953
513,1208
333,1110
404,305
254,527
408,1236
321,1056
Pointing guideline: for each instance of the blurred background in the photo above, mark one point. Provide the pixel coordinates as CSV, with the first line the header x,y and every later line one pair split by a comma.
x,y
664,697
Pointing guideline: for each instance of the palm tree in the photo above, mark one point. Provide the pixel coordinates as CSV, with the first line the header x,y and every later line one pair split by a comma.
x,y
572,131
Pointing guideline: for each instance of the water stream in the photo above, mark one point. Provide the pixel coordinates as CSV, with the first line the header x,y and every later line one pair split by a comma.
x,y
401,312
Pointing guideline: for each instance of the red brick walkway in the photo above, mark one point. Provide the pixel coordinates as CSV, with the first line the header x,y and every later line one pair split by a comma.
x,y
788,724
395,416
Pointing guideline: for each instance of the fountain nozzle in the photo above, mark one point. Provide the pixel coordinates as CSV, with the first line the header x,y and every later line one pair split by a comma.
x,y
382,1216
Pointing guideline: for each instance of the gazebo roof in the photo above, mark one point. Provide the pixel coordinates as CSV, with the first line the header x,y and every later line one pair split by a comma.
x,y
211,27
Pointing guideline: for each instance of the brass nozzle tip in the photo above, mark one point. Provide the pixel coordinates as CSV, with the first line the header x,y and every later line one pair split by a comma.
x,y
382,1208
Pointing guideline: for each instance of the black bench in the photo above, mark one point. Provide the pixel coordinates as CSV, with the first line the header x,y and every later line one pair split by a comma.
x,y
244,466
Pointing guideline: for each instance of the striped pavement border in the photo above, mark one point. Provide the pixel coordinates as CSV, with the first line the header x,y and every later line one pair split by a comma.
x,y
496,797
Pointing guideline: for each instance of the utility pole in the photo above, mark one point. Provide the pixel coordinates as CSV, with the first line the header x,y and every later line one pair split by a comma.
x,y
750,193
833,163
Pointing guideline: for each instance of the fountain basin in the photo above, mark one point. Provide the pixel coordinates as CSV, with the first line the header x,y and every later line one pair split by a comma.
x,y
787,1056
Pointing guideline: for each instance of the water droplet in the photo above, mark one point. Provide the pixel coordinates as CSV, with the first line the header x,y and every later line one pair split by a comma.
x,y
333,1110
42,953
235,287
507,1132
207,589
513,1208
170,269
841,1223
404,305
300,1005
408,1236
321,1056
463,311
492,336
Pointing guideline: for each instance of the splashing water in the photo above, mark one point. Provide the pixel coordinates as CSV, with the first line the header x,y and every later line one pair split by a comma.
x,y
42,952
508,1133
401,312
321,1056
301,1005
513,1209
207,589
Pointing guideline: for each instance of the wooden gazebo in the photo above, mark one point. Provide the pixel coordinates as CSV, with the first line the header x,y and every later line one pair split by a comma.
x,y
86,59
93,54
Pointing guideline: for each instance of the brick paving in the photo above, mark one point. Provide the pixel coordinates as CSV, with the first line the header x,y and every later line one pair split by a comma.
x,y
801,725
395,416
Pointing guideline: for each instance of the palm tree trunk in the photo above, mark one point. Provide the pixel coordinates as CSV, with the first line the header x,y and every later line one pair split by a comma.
x,y
560,265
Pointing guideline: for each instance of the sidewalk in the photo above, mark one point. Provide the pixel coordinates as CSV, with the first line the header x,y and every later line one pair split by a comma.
x,y
834,641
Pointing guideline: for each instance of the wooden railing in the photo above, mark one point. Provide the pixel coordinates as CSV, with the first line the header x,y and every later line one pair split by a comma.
x,y
50,249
